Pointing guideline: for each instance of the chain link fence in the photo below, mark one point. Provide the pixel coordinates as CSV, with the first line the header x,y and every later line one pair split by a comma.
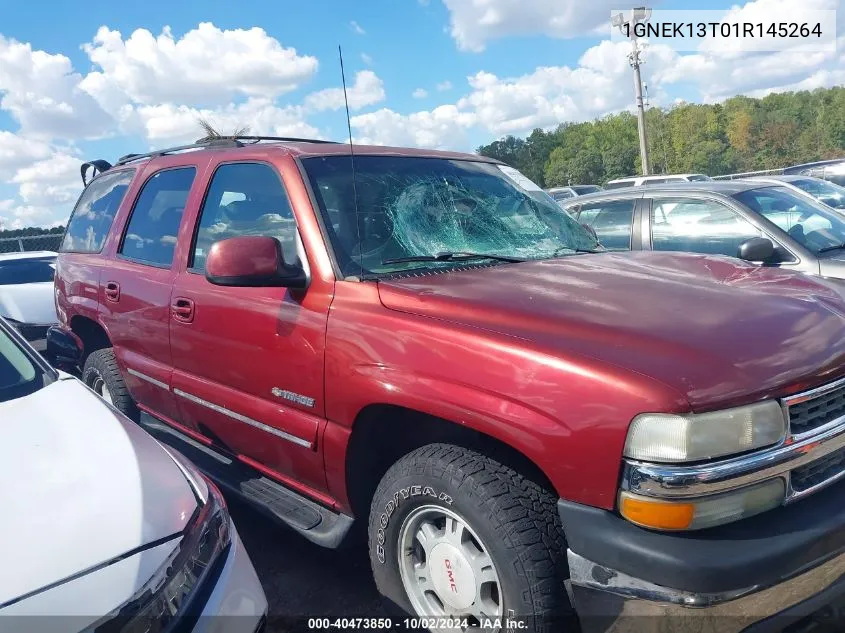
x,y
49,242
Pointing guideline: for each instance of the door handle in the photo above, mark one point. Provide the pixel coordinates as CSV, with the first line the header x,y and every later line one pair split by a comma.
x,y
182,309
112,291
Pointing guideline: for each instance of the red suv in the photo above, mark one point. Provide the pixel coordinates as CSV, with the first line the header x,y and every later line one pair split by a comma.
x,y
533,429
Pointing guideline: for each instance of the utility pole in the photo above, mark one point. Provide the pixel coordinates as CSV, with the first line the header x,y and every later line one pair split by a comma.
x,y
620,20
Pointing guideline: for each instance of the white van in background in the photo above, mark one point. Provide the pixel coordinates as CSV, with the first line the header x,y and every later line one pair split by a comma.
x,y
636,181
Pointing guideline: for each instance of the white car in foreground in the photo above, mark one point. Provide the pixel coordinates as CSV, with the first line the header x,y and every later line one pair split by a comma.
x,y
26,293
102,525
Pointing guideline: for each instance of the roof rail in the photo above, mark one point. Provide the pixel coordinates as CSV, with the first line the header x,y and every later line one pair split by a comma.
x,y
288,139
226,141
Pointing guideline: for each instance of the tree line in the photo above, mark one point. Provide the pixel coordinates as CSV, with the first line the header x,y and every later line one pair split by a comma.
x,y
31,231
737,135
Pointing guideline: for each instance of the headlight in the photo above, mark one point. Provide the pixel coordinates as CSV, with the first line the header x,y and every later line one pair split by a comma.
x,y
704,512
662,437
169,595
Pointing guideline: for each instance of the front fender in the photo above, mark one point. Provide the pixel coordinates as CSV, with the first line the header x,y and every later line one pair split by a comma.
x,y
569,416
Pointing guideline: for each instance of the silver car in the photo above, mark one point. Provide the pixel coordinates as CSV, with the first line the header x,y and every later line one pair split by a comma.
x,y
769,224
824,191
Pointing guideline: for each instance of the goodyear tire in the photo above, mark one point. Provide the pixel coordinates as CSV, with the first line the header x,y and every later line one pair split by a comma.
x,y
454,534
102,375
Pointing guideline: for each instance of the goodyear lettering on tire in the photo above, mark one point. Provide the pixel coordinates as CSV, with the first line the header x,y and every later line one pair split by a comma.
x,y
390,507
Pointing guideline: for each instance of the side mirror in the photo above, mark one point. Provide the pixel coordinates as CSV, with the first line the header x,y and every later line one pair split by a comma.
x,y
252,261
757,249
64,349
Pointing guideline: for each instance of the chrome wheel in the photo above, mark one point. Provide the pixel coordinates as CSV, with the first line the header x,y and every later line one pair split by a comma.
x,y
445,568
101,389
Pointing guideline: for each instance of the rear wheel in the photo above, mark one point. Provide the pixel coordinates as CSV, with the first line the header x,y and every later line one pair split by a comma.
x,y
454,534
102,375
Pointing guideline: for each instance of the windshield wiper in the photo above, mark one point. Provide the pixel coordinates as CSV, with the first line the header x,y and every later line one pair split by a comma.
x,y
827,249
451,257
577,250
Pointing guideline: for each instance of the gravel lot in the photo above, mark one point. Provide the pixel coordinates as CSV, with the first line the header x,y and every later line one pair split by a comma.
x,y
303,580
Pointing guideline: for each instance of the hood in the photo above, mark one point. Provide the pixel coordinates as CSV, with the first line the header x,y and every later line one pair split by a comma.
x,y
715,329
29,303
81,486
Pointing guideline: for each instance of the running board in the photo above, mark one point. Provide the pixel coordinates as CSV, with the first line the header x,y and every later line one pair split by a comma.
x,y
317,523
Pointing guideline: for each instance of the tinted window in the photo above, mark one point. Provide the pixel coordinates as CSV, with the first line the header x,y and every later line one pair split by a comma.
x,y
27,271
698,226
245,199
619,185
698,178
154,225
656,181
831,194
562,195
611,220
94,213
809,223
421,207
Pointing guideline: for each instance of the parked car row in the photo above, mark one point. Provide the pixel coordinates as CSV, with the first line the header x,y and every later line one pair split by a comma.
x,y
527,423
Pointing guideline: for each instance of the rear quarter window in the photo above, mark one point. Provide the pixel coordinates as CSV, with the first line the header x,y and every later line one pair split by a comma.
x,y
94,213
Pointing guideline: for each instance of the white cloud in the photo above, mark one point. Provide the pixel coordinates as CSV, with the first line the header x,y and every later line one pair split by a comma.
x,y
40,91
17,151
167,123
367,90
366,59
22,216
475,22
442,127
444,85
51,182
206,66
419,93
357,28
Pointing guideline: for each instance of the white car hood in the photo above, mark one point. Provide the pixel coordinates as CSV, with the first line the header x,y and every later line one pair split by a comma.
x,y
29,303
79,485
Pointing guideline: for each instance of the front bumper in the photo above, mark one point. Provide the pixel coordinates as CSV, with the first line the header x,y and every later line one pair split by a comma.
x,y
761,574
609,601
237,603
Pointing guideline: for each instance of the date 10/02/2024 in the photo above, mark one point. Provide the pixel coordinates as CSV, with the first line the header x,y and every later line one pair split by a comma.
x,y
413,624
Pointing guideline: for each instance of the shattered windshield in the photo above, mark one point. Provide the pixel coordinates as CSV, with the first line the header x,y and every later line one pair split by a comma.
x,y
421,208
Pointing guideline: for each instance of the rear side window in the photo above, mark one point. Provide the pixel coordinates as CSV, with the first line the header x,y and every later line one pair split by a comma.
x,y
27,271
611,220
619,184
698,226
94,213
151,234
245,199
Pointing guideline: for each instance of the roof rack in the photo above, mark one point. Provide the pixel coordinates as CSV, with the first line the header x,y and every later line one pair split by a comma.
x,y
228,141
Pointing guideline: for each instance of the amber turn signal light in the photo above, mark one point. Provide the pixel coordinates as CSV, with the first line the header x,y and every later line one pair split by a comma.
x,y
660,515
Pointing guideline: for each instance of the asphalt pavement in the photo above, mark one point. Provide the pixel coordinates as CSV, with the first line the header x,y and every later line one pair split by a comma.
x,y
302,580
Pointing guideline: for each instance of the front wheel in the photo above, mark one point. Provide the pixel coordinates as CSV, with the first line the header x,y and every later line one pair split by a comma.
x,y
458,536
102,375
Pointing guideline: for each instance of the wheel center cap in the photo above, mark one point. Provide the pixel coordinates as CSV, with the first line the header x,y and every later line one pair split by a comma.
x,y
452,576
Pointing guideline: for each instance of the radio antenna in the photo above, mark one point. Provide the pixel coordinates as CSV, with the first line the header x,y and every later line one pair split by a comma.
x,y
352,163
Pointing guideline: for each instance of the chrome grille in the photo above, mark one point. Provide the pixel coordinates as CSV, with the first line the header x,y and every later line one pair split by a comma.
x,y
823,470
816,408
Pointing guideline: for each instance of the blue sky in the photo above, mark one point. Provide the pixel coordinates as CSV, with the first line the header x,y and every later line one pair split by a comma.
x,y
105,80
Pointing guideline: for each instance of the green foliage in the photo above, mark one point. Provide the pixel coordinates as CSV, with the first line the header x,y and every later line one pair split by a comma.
x,y
741,134
31,231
